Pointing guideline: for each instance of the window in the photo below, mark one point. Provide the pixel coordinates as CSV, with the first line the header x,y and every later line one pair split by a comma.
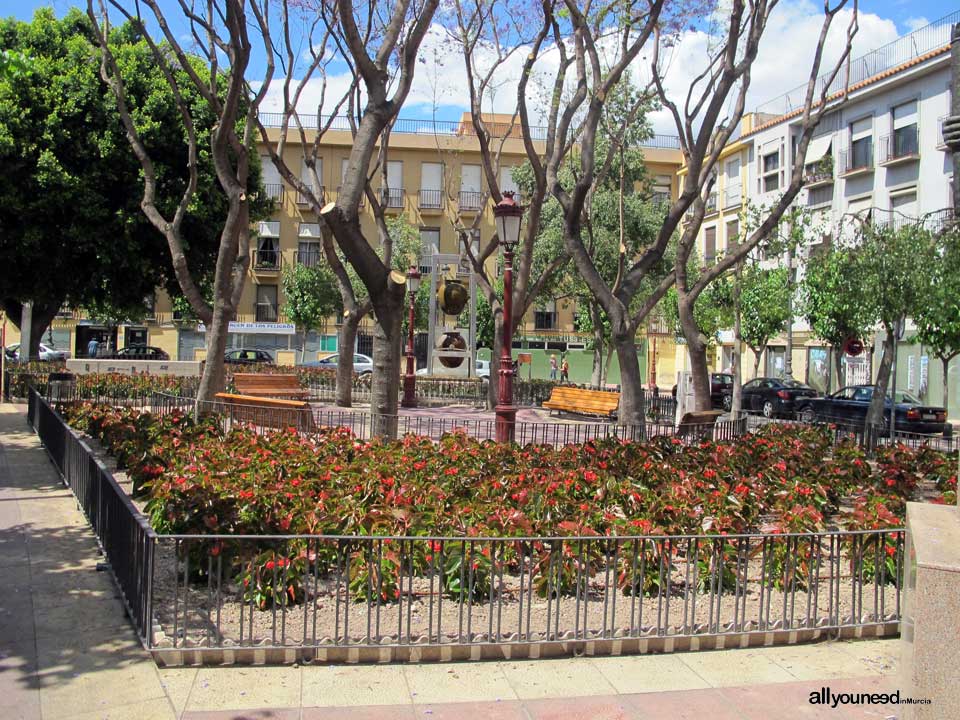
x,y
272,184
770,164
431,185
429,244
661,190
470,187
268,253
710,245
393,192
545,316
733,233
308,252
507,182
267,310
861,145
306,177
903,208
905,141
732,192
819,196
860,207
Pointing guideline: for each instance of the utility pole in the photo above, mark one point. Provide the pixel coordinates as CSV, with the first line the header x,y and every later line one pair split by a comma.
x,y
951,126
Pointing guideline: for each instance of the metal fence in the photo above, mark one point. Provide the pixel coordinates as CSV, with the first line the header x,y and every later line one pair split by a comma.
x,y
212,597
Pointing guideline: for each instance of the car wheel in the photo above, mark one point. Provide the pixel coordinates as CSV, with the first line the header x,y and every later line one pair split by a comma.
x,y
769,409
807,415
727,402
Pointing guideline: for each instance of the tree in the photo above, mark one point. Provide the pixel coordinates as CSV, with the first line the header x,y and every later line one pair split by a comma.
x,y
938,317
894,262
310,297
69,201
833,301
764,306
210,90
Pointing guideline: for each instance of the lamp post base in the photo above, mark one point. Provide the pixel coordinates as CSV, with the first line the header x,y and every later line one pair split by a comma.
x,y
505,423
409,399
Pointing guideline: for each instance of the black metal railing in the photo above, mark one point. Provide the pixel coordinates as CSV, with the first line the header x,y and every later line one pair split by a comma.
x,y
310,258
266,312
900,145
318,193
470,199
266,260
855,160
274,191
431,199
391,197
126,538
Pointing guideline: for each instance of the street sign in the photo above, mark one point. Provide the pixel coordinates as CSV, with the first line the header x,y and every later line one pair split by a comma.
x,y
524,358
853,347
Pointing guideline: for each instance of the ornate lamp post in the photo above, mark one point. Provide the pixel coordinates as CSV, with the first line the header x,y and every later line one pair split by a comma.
x,y
410,378
507,215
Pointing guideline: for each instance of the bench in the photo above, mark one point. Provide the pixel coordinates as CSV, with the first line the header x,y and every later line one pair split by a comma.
x,y
267,412
698,425
566,398
263,385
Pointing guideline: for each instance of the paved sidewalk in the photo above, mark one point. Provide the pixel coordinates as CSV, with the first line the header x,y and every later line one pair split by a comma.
x,y
67,651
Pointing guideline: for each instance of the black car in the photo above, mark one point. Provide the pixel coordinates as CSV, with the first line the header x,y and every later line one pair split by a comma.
x,y
850,404
244,356
721,391
774,397
140,352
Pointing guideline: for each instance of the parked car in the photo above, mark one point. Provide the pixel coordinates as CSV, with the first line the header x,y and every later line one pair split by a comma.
x,y
362,364
47,354
482,370
140,352
775,397
850,404
244,356
721,391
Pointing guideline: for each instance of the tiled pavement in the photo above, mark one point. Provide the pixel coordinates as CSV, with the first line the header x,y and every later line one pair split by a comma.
x,y
68,653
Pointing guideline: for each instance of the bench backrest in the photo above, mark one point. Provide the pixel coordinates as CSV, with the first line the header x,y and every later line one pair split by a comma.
x,y
260,381
267,412
595,398
701,417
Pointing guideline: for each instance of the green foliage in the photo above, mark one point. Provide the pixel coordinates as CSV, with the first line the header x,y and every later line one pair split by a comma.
x,y
71,188
764,305
833,298
310,295
712,311
938,316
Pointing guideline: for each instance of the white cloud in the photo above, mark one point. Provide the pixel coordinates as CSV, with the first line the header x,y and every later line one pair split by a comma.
x,y
915,23
783,63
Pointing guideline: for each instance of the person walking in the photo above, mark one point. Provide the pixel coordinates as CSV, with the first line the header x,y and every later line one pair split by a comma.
x,y
92,347
553,367
565,371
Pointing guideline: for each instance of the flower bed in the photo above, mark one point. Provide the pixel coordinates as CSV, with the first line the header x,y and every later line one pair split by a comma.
x,y
196,479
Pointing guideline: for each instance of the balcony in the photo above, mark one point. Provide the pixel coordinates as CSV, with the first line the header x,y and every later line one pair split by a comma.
x,y
431,199
470,200
391,198
732,196
900,147
711,205
819,174
858,161
304,200
941,143
274,191
267,312
310,258
266,261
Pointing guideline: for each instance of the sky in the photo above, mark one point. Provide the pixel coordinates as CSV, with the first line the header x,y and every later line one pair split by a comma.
x,y
783,62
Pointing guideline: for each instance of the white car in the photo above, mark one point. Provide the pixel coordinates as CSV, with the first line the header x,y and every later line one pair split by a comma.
x,y
482,370
362,364
47,354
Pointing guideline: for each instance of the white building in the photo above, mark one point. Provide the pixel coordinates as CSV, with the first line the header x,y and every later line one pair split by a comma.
x,y
877,155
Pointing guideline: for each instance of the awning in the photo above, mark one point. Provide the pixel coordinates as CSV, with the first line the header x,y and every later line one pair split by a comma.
x,y
818,149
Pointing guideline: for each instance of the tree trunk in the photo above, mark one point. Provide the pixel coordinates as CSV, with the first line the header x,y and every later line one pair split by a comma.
x,y
40,320
876,412
346,344
757,354
631,390
606,368
213,379
736,400
838,361
387,338
697,349
597,375
945,361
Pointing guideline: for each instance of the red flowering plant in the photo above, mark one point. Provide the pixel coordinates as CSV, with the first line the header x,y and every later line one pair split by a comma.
x,y
273,580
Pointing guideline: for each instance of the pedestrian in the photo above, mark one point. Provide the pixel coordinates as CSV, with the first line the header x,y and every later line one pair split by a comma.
x,y
92,347
565,371
553,367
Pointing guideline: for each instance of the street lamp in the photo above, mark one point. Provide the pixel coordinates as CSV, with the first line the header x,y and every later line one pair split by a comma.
x,y
507,215
410,379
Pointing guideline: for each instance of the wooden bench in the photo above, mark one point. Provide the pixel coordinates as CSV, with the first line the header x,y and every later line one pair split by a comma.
x,y
267,412
263,385
698,425
566,398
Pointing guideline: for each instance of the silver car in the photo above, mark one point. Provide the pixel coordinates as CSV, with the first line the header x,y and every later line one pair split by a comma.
x,y
362,364
47,354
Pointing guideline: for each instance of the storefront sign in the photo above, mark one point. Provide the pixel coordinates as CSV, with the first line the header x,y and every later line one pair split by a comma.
x,y
257,328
